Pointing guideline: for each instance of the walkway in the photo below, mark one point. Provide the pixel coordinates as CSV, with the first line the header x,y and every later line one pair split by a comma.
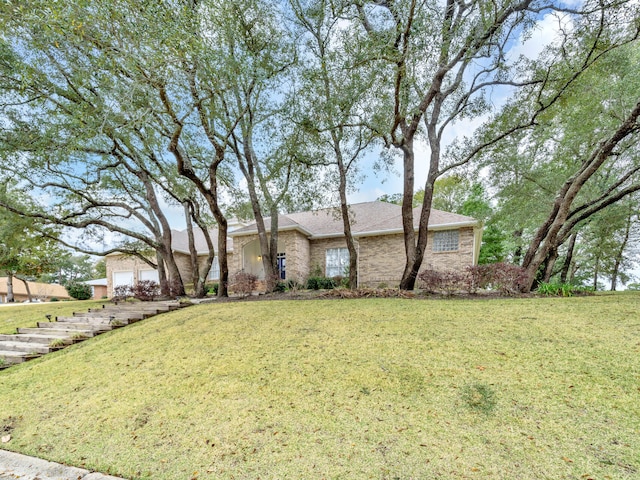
x,y
15,465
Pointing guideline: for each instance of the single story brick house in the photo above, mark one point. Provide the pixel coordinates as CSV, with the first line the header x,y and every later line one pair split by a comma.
x,y
39,291
314,241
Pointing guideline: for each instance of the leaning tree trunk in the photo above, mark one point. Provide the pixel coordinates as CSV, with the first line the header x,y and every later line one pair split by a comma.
x,y
547,237
550,262
26,286
269,260
620,253
566,266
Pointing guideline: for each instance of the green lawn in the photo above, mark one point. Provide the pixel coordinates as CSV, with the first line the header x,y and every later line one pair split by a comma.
x,y
27,315
380,388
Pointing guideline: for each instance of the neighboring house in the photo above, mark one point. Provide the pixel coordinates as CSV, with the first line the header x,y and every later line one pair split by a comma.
x,y
314,241
39,291
98,288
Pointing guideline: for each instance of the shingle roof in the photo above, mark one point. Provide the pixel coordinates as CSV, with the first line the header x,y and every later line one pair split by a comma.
x,y
180,241
369,218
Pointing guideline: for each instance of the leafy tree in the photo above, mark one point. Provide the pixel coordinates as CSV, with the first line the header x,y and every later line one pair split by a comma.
x,y
100,269
332,95
580,156
449,193
441,60
89,123
70,268
79,291
27,250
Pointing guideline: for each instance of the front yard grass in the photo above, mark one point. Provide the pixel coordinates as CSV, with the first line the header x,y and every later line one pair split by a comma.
x,y
27,315
376,388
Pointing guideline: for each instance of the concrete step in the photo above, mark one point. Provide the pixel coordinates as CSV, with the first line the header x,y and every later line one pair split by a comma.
x,y
39,338
163,306
98,321
24,347
12,358
57,331
70,326
115,313
134,306
32,342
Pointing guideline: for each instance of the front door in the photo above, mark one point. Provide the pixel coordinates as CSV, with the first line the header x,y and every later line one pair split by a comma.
x,y
282,265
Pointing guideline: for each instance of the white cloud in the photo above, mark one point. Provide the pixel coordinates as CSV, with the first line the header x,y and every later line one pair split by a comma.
x,y
545,32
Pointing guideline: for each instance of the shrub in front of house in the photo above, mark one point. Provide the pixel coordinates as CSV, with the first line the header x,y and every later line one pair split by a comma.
x,y
293,285
122,292
79,291
146,290
244,283
501,277
443,281
213,289
320,283
507,278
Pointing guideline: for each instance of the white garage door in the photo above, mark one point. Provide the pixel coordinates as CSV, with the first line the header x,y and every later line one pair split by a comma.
x,y
148,275
122,278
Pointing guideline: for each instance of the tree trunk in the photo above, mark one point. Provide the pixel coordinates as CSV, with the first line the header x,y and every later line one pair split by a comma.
x,y
210,193
569,258
165,288
269,260
416,250
595,274
546,237
10,297
517,253
26,286
196,279
549,263
620,253
408,279
272,275
173,272
175,279
346,224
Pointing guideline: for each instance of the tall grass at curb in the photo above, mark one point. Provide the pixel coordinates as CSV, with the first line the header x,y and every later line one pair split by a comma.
x,y
373,388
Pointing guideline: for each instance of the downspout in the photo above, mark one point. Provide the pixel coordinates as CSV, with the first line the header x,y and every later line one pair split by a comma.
x,y
477,242
357,242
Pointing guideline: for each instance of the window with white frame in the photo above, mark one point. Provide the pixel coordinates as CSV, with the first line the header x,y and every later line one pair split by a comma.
x,y
445,241
337,262
214,273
